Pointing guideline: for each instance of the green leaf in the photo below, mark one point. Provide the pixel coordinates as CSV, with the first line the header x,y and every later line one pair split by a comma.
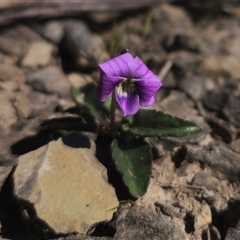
x,y
133,161
154,123
90,107
89,98
74,92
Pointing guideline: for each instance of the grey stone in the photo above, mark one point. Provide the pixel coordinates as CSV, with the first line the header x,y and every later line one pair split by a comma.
x,y
205,178
233,233
222,160
50,80
232,110
86,50
194,86
15,40
233,211
235,146
10,72
42,105
177,40
137,223
184,62
53,31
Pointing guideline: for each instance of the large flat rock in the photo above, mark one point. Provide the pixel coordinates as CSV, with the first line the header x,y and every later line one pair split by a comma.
x,y
67,185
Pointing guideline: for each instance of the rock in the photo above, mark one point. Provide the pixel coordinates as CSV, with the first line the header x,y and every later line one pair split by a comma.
x,y
233,233
178,104
187,171
15,40
235,146
184,62
82,237
165,169
9,86
155,191
215,33
8,138
205,178
232,221
169,210
21,104
232,110
194,86
165,19
67,185
220,63
42,105
177,40
4,172
6,59
233,212
7,159
223,161
220,127
8,113
39,55
226,101
200,212
80,80
215,100
84,49
53,31
10,72
202,216
141,223
50,80
231,46
170,17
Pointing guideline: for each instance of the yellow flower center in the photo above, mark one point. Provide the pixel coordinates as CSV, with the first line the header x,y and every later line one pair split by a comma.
x,y
126,87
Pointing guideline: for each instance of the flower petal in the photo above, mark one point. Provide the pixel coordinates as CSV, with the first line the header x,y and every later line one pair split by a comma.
x,y
148,102
146,90
122,66
129,103
106,85
147,85
142,71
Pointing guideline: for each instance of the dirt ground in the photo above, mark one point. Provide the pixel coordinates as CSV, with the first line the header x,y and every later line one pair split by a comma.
x,y
47,193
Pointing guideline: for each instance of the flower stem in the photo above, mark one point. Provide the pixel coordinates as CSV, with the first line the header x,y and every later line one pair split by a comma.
x,y
113,110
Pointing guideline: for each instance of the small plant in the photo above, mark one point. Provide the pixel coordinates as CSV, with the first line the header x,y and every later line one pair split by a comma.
x,y
128,83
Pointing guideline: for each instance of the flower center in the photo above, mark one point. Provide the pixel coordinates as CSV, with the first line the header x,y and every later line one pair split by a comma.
x,y
126,87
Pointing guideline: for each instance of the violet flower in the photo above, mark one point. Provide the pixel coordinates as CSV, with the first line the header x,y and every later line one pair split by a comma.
x,y
135,85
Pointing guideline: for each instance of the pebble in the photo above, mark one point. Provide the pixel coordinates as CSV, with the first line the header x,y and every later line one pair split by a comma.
x,y
39,55
50,80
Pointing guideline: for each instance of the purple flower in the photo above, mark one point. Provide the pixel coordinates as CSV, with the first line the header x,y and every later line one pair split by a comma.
x,y
133,82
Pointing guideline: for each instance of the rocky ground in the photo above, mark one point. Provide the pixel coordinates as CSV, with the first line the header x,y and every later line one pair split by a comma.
x,y
52,184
